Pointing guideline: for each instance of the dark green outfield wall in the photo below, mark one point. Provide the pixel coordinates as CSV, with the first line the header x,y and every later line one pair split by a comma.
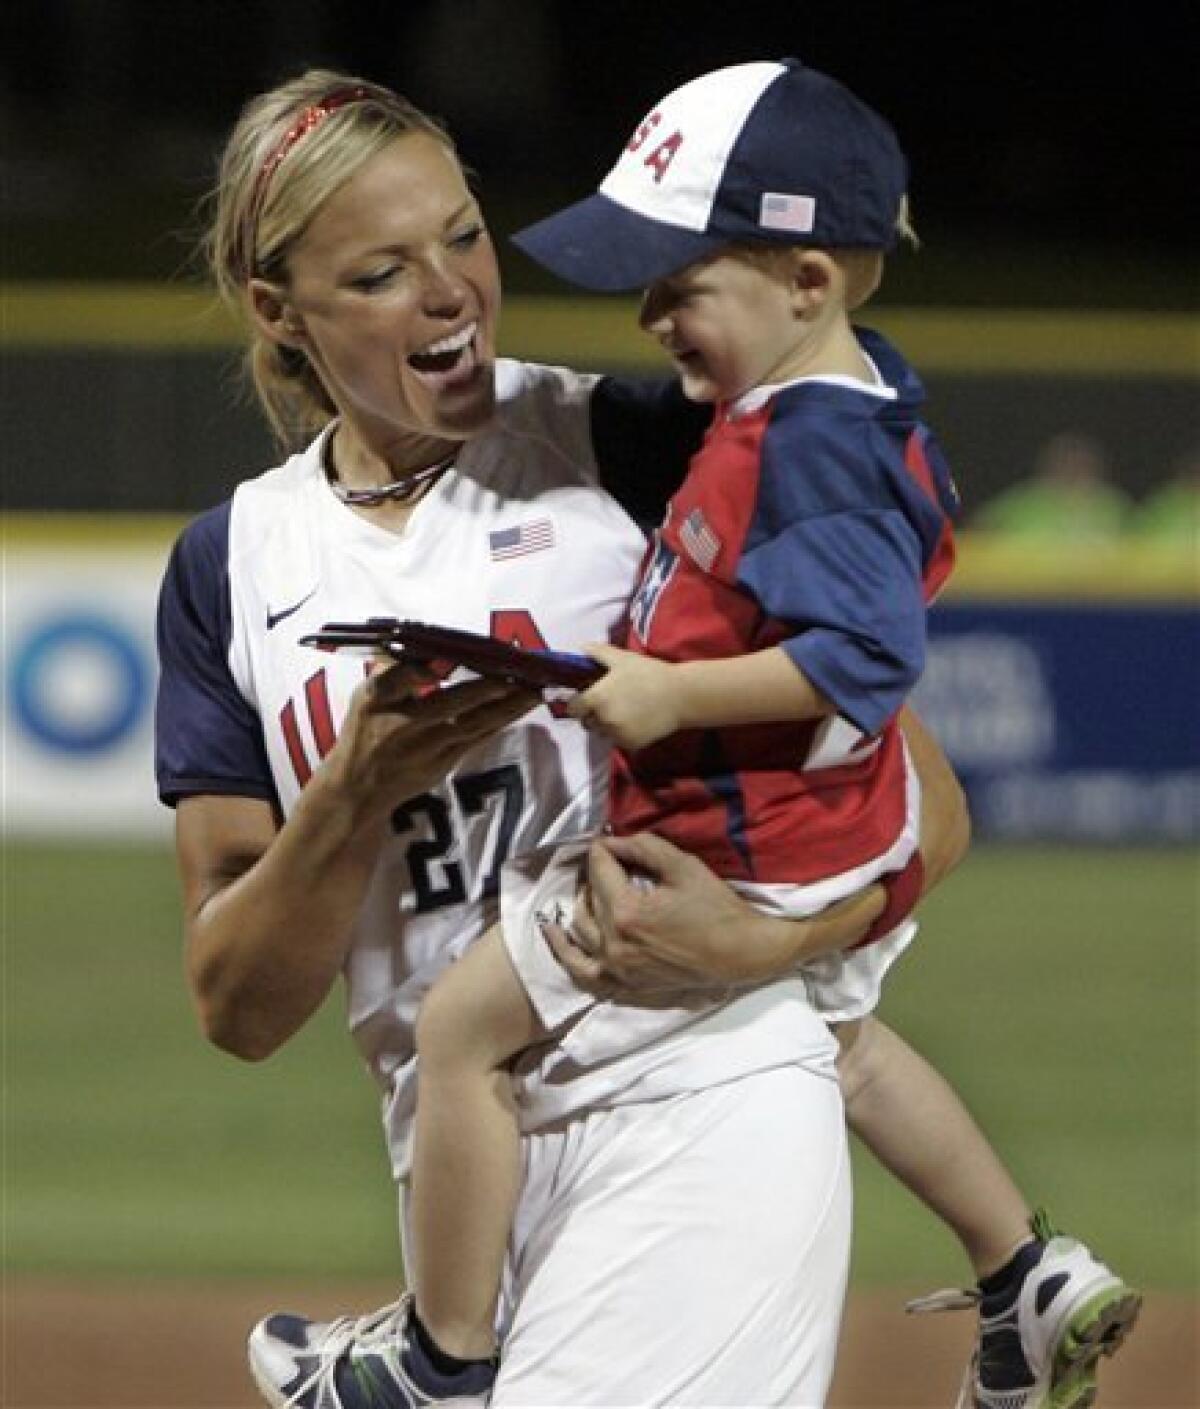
x,y
128,397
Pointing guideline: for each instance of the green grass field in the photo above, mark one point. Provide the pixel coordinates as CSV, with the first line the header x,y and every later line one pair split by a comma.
x,y
1058,989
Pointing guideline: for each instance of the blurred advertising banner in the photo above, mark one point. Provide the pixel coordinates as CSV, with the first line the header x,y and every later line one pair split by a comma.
x,y
1076,721
1069,715
79,683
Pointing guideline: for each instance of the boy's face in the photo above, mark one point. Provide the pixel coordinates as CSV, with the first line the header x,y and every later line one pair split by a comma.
x,y
728,323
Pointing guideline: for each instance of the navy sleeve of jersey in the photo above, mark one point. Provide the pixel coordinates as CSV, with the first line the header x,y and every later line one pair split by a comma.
x,y
833,552
644,432
207,738
843,581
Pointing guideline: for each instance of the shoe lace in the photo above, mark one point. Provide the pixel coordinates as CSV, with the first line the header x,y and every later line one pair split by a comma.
x,y
948,1299
374,1331
964,1298
1042,1226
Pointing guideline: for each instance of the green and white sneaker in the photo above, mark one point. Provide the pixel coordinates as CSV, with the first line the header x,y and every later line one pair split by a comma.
x,y
372,1362
1040,1342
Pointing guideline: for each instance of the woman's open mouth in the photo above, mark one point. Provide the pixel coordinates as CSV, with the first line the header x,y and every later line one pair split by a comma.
x,y
449,362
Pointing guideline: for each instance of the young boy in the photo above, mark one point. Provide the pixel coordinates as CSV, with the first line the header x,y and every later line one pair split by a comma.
x,y
779,622
788,581
776,631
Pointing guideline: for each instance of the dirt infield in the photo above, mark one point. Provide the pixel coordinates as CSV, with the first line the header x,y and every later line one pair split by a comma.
x,y
163,1346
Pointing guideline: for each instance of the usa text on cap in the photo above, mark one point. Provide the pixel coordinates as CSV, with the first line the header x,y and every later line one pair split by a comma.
x,y
763,152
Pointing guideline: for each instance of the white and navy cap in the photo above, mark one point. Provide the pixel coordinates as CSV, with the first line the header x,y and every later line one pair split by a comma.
x,y
765,152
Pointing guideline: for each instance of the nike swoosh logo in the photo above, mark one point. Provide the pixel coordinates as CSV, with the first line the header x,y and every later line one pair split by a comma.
x,y
274,618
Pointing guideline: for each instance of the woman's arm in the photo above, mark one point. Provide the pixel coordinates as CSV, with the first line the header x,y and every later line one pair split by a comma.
x,y
945,820
690,926
269,909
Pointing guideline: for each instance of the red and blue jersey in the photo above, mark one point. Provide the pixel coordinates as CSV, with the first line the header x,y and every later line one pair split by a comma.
x,y
815,517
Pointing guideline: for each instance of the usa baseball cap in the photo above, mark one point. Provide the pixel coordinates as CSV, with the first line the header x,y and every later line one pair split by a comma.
x,y
763,152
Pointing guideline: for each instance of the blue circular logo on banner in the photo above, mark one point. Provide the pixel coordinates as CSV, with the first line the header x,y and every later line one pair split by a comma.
x,y
79,684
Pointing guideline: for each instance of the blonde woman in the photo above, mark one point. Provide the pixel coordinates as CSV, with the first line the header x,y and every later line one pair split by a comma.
x,y
336,824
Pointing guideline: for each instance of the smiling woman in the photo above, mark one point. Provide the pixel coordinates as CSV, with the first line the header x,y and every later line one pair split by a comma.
x,y
393,304
380,309
337,824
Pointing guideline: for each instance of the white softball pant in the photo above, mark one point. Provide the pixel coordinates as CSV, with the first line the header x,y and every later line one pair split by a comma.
x,y
687,1251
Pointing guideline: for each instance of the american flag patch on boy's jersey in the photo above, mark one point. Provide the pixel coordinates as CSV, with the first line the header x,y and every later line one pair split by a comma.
x,y
779,212
529,537
702,543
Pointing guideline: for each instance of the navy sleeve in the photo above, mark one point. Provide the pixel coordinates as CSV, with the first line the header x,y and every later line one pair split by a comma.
x,y
644,432
207,738
834,552
842,579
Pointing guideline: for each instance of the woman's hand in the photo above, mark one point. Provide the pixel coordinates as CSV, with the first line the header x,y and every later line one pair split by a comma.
x,y
654,919
634,704
270,907
640,918
402,734
689,928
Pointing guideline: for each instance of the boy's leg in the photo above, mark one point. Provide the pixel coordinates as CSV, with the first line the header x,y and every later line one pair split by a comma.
x,y
362,1362
1048,1308
466,1157
465,1180
915,1124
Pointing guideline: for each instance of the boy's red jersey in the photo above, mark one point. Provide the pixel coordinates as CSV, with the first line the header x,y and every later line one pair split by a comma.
x,y
815,517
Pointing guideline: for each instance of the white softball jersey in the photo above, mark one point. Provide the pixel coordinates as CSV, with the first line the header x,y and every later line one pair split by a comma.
x,y
519,541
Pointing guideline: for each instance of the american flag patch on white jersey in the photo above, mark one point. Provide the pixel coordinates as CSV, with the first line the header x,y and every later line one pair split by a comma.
x,y
779,212
532,536
702,543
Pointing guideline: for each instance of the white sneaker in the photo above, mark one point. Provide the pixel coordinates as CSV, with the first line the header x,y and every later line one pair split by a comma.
x,y
373,1362
1041,1352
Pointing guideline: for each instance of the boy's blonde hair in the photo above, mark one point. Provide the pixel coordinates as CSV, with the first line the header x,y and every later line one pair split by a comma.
x,y
290,150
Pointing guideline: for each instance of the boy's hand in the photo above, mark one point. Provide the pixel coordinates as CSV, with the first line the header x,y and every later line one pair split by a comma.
x,y
635,704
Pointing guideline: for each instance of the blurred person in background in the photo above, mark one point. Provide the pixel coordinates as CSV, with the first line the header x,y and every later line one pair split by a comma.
x,y
1170,513
1069,501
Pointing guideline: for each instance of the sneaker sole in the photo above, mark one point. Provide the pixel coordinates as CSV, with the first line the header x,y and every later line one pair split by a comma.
x,y
1097,1328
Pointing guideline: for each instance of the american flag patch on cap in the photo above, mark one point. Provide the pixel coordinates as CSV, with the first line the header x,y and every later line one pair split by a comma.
x,y
702,543
532,536
779,212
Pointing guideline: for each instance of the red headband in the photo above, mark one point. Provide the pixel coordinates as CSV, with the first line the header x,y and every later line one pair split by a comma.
x,y
311,117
